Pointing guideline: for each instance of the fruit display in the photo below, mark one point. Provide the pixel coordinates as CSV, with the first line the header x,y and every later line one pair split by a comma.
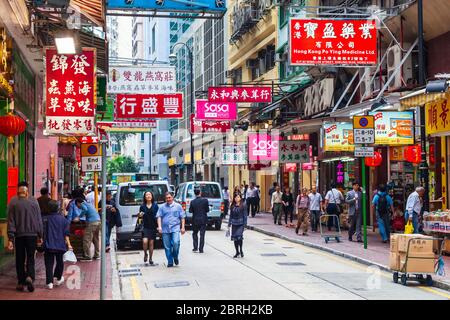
x,y
437,221
440,215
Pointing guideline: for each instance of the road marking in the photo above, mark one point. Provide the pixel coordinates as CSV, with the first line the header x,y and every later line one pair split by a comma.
x,y
445,295
134,286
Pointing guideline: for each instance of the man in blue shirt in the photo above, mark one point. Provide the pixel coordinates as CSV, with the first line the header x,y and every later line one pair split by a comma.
x,y
381,203
92,231
170,215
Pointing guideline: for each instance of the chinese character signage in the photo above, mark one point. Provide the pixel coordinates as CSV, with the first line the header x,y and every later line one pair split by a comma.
x,y
437,117
70,93
394,128
338,136
200,126
234,154
292,151
340,172
214,6
206,110
140,79
240,94
333,42
364,130
262,147
149,106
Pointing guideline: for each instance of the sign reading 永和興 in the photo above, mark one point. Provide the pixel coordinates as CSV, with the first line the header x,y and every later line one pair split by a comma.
x,y
70,92
338,136
208,127
332,42
394,128
234,154
142,79
262,147
149,106
206,110
294,151
240,94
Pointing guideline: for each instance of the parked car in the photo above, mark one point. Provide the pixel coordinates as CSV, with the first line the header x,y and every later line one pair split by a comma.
x,y
210,190
129,198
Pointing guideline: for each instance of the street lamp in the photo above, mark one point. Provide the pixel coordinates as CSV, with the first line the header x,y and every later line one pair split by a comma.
x,y
173,59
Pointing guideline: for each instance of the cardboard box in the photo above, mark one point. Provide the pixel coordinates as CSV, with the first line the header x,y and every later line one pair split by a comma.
x,y
394,243
446,247
395,259
418,263
420,245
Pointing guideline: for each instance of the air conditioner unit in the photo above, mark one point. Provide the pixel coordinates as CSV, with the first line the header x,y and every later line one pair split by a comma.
x,y
377,86
251,63
280,57
365,89
325,95
394,58
311,100
229,73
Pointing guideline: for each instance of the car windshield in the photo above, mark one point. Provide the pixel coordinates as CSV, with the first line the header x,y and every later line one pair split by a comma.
x,y
133,196
211,191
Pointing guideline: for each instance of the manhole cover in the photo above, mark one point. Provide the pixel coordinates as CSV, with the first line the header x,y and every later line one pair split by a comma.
x,y
290,263
172,284
143,265
127,252
273,255
131,274
287,247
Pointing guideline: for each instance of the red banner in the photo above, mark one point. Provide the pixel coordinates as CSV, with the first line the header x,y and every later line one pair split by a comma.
x,y
149,106
240,94
198,126
89,140
333,42
70,92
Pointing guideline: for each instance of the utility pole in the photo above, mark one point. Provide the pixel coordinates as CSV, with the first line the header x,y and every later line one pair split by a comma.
x,y
103,233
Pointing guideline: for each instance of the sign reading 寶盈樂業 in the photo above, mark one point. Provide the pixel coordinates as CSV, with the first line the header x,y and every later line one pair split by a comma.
x,y
234,154
149,106
294,151
142,79
338,136
91,157
70,92
363,130
332,42
437,116
240,94
394,128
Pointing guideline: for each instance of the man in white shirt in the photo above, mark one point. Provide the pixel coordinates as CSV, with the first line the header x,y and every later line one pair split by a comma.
x,y
333,200
251,196
90,198
277,203
315,206
414,207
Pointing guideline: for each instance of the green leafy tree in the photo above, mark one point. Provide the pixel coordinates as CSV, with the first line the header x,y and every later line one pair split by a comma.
x,y
121,164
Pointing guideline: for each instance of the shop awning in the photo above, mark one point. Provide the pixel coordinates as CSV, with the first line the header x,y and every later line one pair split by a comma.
x,y
365,106
421,98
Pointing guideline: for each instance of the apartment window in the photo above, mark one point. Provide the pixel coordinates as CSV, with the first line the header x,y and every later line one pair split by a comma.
x,y
142,153
142,137
237,76
154,143
153,38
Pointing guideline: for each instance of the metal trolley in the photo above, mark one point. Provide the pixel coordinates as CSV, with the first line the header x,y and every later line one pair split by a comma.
x,y
422,277
329,234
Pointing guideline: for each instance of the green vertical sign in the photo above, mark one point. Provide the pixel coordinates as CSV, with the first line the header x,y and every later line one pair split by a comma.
x,y
101,94
108,114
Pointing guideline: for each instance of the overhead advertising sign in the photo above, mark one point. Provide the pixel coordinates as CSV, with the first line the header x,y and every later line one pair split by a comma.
x,y
234,154
292,151
262,147
200,126
169,5
364,129
394,128
240,94
205,110
437,118
149,106
70,92
332,42
338,136
142,79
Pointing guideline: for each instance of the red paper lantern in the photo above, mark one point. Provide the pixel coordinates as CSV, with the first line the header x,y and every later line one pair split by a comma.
x,y
413,154
11,126
375,161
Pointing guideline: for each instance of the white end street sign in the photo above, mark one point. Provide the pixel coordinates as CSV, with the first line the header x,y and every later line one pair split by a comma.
x,y
91,164
364,152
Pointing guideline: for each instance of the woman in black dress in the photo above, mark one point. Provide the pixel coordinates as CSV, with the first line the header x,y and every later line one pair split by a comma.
x,y
237,222
148,211
288,205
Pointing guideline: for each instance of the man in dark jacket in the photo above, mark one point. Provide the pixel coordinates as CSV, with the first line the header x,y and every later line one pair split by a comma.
x,y
199,208
113,218
43,201
25,232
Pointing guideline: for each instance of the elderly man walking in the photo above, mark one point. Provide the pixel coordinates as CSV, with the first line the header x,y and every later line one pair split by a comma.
x,y
414,207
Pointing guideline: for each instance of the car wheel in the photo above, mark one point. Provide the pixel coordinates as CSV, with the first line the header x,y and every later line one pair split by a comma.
x,y
218,225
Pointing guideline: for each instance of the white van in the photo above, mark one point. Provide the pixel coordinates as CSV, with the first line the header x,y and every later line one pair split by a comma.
x,y
129,198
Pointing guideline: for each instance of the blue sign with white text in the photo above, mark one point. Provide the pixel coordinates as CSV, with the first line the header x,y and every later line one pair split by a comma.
x,y
215,6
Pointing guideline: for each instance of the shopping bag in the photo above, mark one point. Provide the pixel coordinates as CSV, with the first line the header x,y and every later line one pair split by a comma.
x,y
228,233
69,256
409,228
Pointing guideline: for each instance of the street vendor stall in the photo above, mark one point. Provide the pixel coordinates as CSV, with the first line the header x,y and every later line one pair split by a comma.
x,y
437,223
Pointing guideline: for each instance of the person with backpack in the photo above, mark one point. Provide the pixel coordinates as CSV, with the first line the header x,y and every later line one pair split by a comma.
x,y
381,203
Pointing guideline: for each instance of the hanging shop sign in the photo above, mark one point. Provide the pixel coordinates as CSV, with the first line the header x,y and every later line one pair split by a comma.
x,y
294,151
208,127
437,118
333,42
364,129
203,6
70,92
234,154
89,140
142,79
364,152
340,175
262,147
397,153
259,166
240,94
205,110
394,128
338,136
149,106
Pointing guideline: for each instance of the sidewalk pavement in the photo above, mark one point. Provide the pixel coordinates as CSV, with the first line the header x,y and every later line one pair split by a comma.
x,y
377,252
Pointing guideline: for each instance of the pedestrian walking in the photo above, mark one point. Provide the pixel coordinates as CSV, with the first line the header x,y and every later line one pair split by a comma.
x,y
277,205
56,243
92,231
226,201
273,188
414,207
354,201
199,208
237,190
315,208
237,223
148,212
113,218
90,198
302,205
333,201
258,199
25,232
381,204
252,196
73,211
288,206
43,201
171,221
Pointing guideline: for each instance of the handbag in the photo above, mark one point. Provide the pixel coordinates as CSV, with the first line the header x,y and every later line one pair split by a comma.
x,y
139,225
409,228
